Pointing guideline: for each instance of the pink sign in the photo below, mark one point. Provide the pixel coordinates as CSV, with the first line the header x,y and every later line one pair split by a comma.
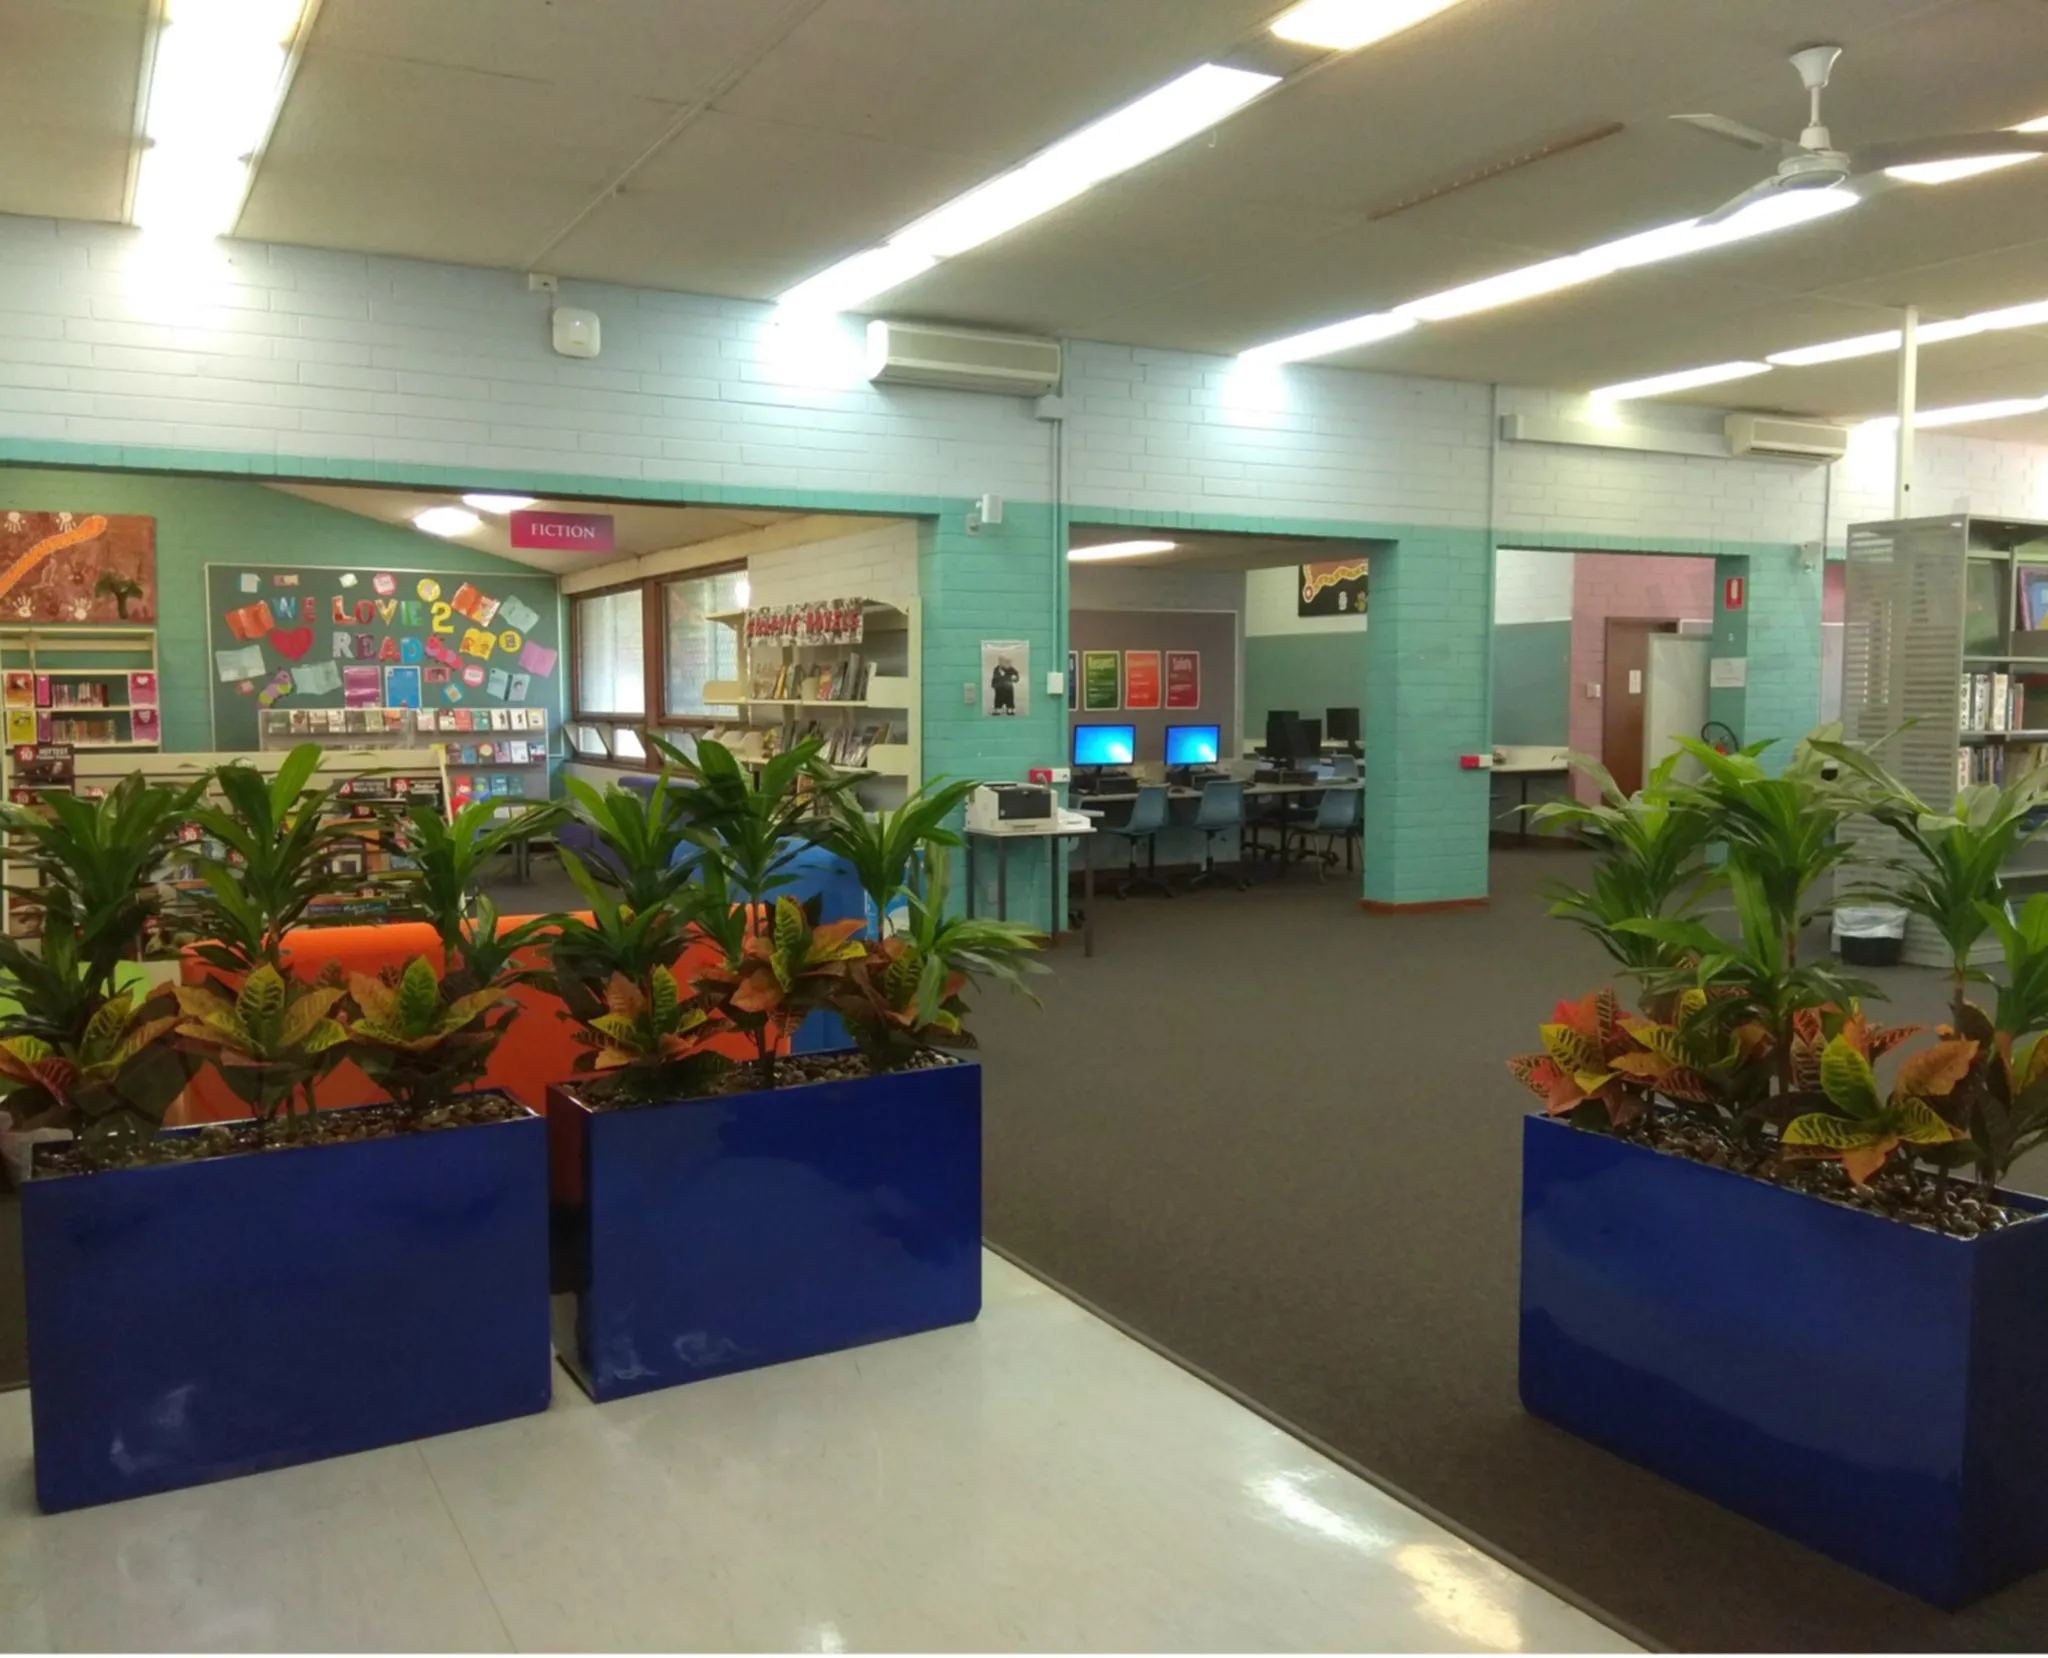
x,y
573,532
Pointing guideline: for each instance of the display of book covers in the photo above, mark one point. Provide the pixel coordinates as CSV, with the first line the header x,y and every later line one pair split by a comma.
x,y
819,622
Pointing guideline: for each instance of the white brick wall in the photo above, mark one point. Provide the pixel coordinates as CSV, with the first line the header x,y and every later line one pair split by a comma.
x,y
1531,587
876,563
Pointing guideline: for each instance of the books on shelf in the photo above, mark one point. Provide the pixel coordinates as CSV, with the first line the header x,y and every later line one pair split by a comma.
x,y
1990,702
1997,763
2032,582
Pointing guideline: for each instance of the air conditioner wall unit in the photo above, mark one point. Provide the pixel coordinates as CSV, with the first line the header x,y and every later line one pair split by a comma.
x,y
962,359
1753,434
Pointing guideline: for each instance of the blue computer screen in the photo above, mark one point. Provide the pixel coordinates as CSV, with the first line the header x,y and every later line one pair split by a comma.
x,y
1105,745
1192,745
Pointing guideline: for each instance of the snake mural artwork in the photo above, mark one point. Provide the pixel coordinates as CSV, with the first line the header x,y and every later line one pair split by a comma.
x,y
77,567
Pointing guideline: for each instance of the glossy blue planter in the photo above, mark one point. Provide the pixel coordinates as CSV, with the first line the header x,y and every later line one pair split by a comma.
x,y
1871,1389
190,1322
706,1236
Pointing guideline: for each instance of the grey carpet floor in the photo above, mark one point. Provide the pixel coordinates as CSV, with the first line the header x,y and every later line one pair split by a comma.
x,y
1275,1136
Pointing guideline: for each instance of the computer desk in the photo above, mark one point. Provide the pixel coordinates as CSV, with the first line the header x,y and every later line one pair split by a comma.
x,y
1045,829
1252,791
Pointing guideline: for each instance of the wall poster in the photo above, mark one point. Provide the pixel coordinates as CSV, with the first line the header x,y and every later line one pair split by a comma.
x,y
1102,682
77,567
1183,679
1141,679
1006,673
1334,589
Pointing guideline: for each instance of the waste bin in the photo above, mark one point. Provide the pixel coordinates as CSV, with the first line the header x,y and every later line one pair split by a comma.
x,y
1870,935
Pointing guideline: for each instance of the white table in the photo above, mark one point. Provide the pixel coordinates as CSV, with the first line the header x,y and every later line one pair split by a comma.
x,y
1041,829
1524,761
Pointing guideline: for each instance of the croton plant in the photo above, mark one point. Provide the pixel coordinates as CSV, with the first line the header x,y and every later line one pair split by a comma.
x,y
1756,1050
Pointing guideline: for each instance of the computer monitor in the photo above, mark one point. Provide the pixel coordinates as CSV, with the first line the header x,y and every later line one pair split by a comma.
x,y
1105,745
1341,725
1308,740
1193,745
1280,723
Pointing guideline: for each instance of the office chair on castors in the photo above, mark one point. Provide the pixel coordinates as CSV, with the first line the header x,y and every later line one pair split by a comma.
x,y
1148,817
1220,811
1337,819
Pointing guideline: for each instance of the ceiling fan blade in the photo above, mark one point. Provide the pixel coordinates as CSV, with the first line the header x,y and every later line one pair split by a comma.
x,y
1959,146
1763,190
1736,133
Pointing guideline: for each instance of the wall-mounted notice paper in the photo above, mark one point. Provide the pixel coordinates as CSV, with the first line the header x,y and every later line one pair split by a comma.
x,y
1183,679
476,642
348,579
537,659
499,683
360,687
401,687
519,686
246,663
1141,679
384,585
437,673
250,582
316,678
473,675
1102,689
516,613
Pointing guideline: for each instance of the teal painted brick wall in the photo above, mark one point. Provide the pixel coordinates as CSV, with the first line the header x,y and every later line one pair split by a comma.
x,y
1781,636
202,521
1426,702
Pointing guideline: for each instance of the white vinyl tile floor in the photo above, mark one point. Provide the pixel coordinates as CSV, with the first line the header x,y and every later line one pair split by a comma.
x,y
1035,1481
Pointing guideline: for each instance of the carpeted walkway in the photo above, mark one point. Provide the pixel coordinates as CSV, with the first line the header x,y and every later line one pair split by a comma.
x,y
1275,1136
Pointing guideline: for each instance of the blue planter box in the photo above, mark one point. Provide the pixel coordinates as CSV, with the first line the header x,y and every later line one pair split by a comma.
x,y
1868,1388
190,1322
706,1236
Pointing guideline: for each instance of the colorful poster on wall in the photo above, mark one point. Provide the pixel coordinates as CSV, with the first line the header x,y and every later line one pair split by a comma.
x,y
1141,679
1183,679
1005,678
1336,589
1102,682
77,567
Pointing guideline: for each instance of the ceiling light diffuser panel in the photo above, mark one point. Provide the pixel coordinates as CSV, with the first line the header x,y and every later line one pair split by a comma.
x,y
1133,135
1346,25
1118,549
1685,379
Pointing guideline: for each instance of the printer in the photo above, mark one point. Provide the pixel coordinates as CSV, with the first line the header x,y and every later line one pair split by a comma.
x,y
995,807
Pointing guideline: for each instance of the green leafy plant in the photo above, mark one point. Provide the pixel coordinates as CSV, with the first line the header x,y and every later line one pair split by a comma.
x,y
110,1087
282,837
272,1040
904,995
786,969
447,858
416,1041
886,848
656,1042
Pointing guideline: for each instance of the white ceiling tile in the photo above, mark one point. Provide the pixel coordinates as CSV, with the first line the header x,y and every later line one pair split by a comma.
x,y
68,73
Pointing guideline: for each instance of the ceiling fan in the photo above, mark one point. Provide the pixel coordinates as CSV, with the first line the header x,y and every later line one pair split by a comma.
x,y
1815,164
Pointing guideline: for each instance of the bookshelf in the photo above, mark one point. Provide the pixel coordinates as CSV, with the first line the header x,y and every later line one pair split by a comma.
x,y
492,752
83,688
1947,628
844,670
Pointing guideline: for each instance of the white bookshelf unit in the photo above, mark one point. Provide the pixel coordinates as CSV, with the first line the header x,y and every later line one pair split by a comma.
x,y
86,688
1947,627
861,694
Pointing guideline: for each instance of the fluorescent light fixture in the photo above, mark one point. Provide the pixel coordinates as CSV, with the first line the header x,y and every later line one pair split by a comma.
x,y
1346,25
446,521
1321,342
1684,379
1508,288
1672,241
214,87
2031,315
1118,549
1154,124
1947,172
499,504
1963,414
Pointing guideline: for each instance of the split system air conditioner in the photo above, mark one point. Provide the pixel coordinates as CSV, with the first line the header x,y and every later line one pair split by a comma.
x,y
1752,434
963,359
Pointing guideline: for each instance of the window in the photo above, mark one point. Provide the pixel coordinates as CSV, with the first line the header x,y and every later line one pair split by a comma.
x,y
611,653
696,650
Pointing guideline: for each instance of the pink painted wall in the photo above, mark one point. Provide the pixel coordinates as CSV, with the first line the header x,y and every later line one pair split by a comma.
x,y
1648,585
1834,593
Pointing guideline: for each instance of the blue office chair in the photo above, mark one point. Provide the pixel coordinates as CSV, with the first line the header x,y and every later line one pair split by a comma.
x,y
1338,818
1148,817
1220,811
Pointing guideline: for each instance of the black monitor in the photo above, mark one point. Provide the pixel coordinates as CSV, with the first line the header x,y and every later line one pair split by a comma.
x,y
1341,725
1308,740
1280,724
1105,745
1193,745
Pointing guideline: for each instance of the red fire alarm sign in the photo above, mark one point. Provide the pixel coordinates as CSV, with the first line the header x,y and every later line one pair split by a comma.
x,y
1731,593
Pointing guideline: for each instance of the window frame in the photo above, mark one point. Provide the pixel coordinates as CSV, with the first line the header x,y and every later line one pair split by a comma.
x,y
654,670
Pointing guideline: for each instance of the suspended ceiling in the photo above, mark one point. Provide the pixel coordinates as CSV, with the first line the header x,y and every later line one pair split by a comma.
x,y
736,146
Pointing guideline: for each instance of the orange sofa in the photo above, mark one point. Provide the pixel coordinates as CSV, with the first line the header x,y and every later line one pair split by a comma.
x,y
536,1049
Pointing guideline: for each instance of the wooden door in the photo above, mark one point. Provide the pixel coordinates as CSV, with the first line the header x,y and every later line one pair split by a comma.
x,y
1621,696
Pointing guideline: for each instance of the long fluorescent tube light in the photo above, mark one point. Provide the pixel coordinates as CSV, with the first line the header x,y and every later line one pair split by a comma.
x,y
1684,379
1154,124
1118,549
1346,25
1321,342
1962,414
499,504
446,521
214,87
1876,345
1947,172
1672,241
